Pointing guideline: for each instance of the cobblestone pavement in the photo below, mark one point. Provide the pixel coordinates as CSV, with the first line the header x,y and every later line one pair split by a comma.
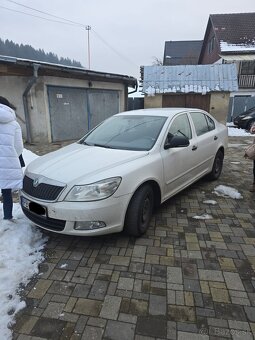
x,y
185,279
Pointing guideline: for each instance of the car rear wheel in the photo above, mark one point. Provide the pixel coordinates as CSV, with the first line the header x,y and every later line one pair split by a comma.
x,y
139,211
249,124
217,166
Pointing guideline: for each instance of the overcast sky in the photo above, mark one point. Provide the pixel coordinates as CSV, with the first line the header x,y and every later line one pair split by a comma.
x,y
124,34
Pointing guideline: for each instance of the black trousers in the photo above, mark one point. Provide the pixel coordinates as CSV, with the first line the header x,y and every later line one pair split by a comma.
x,y
7,203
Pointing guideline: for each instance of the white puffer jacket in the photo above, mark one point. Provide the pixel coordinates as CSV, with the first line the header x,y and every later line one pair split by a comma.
x,y
11,146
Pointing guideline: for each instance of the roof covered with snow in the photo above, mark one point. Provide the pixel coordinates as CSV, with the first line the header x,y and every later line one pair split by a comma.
x,y
190,79
235,32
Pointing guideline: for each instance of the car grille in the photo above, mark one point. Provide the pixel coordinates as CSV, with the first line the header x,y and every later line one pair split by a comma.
x,y
45,222
44,191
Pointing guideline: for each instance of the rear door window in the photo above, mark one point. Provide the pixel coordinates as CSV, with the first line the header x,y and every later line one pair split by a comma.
x,y
202,123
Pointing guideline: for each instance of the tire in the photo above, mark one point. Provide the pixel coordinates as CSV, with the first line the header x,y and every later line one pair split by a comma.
x,y
217,166
139,211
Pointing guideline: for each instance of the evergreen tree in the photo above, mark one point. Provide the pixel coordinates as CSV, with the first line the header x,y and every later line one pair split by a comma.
x,y
11,49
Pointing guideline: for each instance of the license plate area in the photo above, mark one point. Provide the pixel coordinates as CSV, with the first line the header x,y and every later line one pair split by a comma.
x,y
35,208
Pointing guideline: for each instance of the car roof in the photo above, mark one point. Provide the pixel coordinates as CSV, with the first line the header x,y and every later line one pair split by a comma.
x,y
165,112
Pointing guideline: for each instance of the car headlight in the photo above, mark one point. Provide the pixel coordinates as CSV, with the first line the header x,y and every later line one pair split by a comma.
x,y
246,117
94,191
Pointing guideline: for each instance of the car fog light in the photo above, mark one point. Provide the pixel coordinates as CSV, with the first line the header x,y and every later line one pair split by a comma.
x,y
89,225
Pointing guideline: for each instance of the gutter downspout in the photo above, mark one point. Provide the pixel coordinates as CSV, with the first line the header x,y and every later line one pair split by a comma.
x,y
31,82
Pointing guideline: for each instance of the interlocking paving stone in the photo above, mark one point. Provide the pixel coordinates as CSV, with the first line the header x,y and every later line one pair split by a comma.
x,y
88,307
116,330
46,328
94,333
192,336
153,326
184,279
110,308
157,305
174,275
210,275
181,313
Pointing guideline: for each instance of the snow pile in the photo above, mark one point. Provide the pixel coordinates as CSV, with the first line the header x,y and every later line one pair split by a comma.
x,y
210,202
203,217
20,254
234,132
225,191
226,47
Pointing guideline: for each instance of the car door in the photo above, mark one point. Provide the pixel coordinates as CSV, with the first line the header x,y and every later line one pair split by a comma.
x,y
178,163
206,142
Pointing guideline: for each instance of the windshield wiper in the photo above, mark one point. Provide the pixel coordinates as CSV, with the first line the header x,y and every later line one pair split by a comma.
x,y
102,146
85,143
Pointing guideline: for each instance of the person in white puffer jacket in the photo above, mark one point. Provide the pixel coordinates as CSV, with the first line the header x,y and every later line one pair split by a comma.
x,y
11,147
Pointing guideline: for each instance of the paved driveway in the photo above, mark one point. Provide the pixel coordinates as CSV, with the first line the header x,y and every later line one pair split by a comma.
x,y
185,279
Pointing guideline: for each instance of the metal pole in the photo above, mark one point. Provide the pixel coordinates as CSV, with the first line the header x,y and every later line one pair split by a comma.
x,y
88,28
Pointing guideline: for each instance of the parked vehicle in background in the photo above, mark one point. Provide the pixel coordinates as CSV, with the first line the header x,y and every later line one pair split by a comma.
x,y
117,173
245,119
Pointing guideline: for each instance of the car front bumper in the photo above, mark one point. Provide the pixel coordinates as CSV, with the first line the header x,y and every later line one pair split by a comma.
x,y
62,217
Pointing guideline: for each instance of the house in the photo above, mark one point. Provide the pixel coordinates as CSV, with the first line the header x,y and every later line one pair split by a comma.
x,y
200,86
230,38
182,52
58,103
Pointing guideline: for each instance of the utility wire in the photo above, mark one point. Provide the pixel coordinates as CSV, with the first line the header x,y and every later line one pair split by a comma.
x,y
54,16
112,48
37,16
67,22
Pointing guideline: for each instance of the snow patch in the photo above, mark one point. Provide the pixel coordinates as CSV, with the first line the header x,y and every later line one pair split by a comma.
x,y
225,191
20,254
63,265
203,217
226,47
210,202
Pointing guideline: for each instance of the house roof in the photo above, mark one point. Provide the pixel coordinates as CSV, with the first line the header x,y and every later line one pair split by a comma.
x,y
190,79
25,67
182,52
235,33
235,28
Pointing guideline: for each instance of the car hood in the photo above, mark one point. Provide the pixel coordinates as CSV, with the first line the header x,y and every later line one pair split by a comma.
x,y
80,162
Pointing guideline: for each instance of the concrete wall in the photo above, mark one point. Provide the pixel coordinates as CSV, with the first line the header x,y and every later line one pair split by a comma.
x,y
13,87
153,101
218,104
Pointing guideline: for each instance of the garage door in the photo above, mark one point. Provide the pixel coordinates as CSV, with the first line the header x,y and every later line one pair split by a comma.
x,y
187,100
74,111
102,104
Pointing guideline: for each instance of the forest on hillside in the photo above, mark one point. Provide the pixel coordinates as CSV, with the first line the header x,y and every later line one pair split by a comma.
x,y
11,49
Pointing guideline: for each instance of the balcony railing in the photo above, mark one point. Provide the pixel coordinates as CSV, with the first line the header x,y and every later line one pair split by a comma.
x,y
246,81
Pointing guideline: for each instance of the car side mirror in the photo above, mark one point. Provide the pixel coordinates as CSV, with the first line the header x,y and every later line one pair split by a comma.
x,y
176,142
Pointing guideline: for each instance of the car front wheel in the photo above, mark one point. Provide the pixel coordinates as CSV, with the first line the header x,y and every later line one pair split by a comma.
x,y
249,125
217,166
139,211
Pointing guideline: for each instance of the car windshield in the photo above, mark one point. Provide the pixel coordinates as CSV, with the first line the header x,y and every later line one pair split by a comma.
x,y
126,132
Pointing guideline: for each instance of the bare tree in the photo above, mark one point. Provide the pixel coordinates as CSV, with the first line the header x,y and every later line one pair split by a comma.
x,y
157,61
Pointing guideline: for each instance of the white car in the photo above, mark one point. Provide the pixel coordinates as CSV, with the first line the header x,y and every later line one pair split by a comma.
x,y
112,178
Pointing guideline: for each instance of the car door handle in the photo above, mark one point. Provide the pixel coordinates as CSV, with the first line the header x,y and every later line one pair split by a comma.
x,y
215,138
194,147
